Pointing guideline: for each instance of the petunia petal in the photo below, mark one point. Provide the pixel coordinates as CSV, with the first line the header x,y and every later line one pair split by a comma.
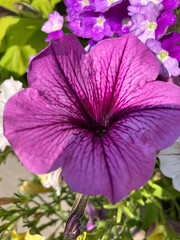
x,y
107,165
121,65
152,111
36,130
58,73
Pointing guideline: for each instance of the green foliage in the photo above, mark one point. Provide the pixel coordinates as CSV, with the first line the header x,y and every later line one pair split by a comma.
x,y
9,3
16,58
4,154
5,23
43,6
17,48
150,216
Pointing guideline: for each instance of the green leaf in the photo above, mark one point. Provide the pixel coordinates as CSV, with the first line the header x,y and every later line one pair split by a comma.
x,y
5,23
22,32
111,206
9,3
162,193
22,39
119,214
4,227
16,59
127,212
151,213
43,207
43,6
4,154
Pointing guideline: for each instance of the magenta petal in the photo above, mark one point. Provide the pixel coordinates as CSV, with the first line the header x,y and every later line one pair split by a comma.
x,y
56,68
123,159
113,165
153,113
121,65
36,130
166,19
50,37
171,4
57,72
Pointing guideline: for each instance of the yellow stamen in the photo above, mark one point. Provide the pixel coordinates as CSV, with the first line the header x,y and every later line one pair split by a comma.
x,y
163,55
85,3
126,22
111,1
100,20
55,27
152,26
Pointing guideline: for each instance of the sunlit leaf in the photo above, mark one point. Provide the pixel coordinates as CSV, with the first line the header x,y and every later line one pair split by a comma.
x,y
6,22
150,215
43,6
16,58
119,214
9,3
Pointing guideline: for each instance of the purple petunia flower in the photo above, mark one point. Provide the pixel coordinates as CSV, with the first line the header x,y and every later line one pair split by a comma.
x,y
53,26
100,115
168,53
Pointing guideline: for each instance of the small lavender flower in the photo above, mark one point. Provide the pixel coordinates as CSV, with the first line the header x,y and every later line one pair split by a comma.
x,y
168,53
135,5
53,26
104,5
145,22
118,19
78,6
94,114
95,26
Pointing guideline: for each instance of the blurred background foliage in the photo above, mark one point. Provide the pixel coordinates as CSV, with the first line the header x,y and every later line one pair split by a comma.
x,y
21,34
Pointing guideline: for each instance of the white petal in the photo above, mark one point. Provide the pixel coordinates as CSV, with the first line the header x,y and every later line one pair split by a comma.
x,y
176,182
7,89
54,179
170,160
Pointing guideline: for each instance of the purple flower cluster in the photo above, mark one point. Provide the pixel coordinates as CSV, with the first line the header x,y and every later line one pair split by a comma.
x,y
146,19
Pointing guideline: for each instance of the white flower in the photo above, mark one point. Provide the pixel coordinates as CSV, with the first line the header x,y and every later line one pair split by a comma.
x,y
53,179
170,163
7,89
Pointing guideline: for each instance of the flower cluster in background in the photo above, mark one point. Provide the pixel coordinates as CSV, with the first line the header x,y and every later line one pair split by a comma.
x,y
148,20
